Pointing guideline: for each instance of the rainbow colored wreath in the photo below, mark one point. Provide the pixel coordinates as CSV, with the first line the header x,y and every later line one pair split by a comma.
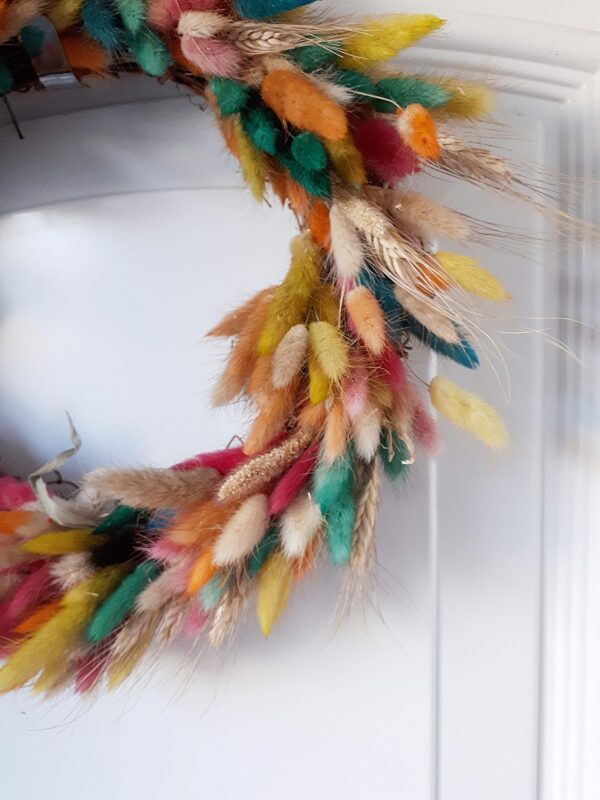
x,y
89,581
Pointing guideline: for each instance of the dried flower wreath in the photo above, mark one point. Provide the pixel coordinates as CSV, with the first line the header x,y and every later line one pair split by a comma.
x,y
88,582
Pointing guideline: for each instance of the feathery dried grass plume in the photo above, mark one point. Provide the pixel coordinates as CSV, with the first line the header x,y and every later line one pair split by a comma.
x,y
366,432
201,23
382,38
297,100
243,356
368,319
469,412
243,531
346,246
336,431
300,523
467,273
291,299
347,161
329,349
155,488
233,323
290,356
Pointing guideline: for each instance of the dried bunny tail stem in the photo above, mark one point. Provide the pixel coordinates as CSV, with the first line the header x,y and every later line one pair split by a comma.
x,y
469,412
155,488
242,533
244,354
336,92
366,431
346,246
290,356
233,322
336,432
421,215
300,523
368,318
71,569
258,472
201,23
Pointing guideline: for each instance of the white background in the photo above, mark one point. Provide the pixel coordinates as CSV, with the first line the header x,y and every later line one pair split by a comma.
x,y
123,236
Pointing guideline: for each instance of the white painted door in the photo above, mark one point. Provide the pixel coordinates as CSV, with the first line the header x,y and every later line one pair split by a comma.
x,y
124,234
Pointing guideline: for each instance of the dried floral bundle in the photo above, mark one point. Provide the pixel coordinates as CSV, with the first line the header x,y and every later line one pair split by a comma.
x,y
142,556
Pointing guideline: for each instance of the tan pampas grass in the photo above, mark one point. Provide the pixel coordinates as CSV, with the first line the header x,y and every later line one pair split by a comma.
x,y
420,215
201,23
469,412
290,356
367,317
233,323
299,524
155,488
438,320
346,246
336,431
71,569
258,472
17,14
243,531
244,354
366,431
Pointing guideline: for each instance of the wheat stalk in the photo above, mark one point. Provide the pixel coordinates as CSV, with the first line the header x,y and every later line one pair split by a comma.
x,y
363,550
228,613
258,39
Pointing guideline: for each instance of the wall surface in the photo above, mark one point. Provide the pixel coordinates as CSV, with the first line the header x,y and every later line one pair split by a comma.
x,y
124,235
